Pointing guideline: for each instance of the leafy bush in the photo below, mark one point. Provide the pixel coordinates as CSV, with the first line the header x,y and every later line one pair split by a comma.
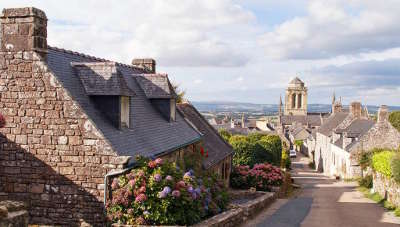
x,y
256,148
159,193
285,162
394,119
381,162
2,121
298,143
367,181
395,165
225,134
397,212
261,176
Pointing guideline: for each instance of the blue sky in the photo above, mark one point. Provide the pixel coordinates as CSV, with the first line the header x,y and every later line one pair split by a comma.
x,y
243,50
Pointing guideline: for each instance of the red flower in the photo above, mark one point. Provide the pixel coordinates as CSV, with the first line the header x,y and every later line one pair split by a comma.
x,y
202,151
207,154
2,121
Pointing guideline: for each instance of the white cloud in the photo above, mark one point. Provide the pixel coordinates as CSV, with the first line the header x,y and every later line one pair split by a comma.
x,y
240,79
334,28
176,33
198,81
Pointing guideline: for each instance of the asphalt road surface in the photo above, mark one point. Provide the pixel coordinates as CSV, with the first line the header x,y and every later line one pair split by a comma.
x,y
323,202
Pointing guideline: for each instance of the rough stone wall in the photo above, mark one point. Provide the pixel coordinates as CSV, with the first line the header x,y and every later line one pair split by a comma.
x,y
387,187
52,155
381,135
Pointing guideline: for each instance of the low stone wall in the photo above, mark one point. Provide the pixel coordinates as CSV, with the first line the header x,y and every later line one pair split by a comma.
x,y
13,214
387,188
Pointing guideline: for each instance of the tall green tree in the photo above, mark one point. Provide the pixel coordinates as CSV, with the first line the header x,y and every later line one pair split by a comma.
x,y
394,119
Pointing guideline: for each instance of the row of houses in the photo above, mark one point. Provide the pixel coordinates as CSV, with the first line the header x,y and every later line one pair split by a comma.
x,y
74,121
347,133
335,140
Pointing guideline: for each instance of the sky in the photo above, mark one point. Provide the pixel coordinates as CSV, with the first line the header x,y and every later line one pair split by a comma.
x,y
243,50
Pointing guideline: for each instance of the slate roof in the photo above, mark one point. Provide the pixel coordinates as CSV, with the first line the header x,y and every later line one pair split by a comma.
x,y
332,122
101,78
357,128
150,135
217,147
156,86
312,120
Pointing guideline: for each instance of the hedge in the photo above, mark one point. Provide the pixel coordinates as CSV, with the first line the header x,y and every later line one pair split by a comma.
x,y
381,162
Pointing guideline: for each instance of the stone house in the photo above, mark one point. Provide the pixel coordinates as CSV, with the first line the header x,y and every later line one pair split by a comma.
x,y
346,134
219,152
74,120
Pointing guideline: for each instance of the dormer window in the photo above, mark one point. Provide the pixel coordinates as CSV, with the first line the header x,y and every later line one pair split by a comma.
x,y
124,103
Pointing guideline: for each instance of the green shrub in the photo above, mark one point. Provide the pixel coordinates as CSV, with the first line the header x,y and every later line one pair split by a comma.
x,y
256,148
225,134
397,212
395,164
298,143
381,162
366,181
285,162
394,119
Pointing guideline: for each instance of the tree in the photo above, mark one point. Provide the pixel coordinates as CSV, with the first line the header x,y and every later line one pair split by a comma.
x,y
394,119
180,93
225,134
256,148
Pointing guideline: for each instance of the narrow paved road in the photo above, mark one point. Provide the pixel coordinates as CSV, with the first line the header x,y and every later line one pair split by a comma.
x,y
323,201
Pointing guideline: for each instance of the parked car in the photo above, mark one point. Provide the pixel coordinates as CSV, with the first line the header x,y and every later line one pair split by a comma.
x,y
292,153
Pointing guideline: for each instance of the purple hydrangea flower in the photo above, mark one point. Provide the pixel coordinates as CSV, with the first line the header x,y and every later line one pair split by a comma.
x,y
168,178
190,189
198,190
167,189
157,177
194,196
162,194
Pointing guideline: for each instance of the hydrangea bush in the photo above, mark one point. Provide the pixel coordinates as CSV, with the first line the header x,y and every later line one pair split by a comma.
x,y
157,192
262,177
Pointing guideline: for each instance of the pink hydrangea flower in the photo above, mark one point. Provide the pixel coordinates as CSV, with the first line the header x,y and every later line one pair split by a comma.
x,y
158,161
168,178
176,193
141,198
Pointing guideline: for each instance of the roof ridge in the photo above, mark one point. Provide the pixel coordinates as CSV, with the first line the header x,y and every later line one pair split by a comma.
x,y
91,57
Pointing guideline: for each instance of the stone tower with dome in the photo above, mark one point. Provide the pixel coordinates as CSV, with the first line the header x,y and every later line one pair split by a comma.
x,y
296,98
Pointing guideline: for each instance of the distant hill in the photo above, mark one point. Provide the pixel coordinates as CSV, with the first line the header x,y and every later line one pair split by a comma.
x,y
265,108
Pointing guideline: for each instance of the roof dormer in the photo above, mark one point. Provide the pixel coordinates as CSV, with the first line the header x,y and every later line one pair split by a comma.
x,y
160,92
107,89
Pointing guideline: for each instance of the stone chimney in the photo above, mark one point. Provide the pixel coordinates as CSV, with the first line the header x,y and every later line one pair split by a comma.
x,y
147,64
337,107
383,114
346,141
355,109
23,29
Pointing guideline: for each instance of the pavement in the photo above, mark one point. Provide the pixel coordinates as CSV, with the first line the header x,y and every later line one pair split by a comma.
x,y
323,202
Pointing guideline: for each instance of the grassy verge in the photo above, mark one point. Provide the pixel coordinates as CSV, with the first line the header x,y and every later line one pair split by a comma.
x,y
380,200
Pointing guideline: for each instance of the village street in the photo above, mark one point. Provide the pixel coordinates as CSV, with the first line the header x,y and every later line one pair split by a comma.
x,y
323,201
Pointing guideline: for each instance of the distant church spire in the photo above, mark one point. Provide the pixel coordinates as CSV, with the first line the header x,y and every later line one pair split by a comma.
x,y
333,102
280,105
